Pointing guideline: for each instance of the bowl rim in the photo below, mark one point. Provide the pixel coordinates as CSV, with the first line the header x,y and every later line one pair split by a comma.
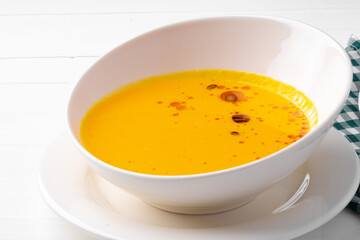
x,y
301,142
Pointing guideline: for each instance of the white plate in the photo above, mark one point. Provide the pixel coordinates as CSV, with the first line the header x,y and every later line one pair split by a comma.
x,y
303,201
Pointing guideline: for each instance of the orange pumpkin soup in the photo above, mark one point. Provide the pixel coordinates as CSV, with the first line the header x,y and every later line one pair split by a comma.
x,y
195,122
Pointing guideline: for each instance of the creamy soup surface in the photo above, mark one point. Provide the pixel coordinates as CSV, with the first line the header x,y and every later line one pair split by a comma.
x,y
195,122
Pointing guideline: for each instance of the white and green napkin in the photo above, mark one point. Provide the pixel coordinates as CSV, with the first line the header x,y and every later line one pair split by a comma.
x,y
349,119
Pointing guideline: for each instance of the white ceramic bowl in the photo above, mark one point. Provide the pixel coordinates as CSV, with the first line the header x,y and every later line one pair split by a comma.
x,y
286,50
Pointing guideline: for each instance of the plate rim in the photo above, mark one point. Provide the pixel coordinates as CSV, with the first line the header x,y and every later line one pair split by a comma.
x,y
98,233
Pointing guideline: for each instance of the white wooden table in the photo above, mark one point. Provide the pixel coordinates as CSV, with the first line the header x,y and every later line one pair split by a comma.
x,y
45,46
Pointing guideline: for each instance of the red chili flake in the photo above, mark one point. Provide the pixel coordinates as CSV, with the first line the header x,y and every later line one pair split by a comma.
x,y
177,105
298,114
241,142
246,88
190,97
291,136
175,114
159,102
285,107
217,118
220,87
303,133
291,120
275,107
236,87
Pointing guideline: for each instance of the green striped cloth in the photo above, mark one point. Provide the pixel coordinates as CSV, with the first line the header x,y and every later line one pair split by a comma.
x,y
348,120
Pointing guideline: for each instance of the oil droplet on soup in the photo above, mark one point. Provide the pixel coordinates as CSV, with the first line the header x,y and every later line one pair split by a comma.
x,y
195,122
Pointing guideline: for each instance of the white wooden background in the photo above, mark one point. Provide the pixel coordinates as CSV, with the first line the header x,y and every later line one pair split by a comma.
x,y
46,45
